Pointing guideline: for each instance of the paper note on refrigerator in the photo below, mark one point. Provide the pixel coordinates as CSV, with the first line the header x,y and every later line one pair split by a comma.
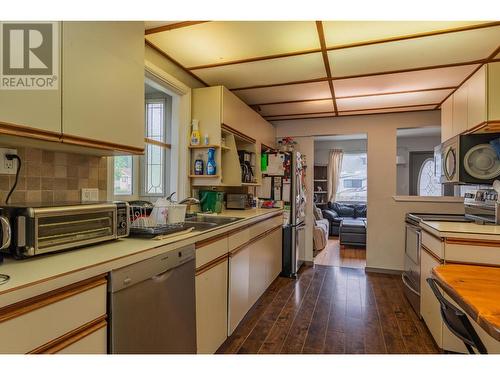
x,y
265,191
275,165
286,191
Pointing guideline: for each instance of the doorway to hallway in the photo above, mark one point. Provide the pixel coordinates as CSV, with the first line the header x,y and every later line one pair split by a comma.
x,y
340,256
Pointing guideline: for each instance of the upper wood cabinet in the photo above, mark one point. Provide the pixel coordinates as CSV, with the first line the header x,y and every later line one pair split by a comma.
x,y
222,115
99,103
475,106
103,84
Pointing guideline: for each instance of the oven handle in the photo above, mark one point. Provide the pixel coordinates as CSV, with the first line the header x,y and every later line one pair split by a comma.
x,y
404,278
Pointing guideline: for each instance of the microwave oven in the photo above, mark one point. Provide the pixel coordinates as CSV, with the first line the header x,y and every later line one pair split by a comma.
x,y
469,159
45,228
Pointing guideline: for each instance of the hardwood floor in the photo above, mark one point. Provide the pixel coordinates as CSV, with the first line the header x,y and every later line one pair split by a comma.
x,y
332,310
333,255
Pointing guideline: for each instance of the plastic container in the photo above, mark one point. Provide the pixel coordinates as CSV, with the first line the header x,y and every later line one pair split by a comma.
x,y
195,133
165,212
211,201
211,167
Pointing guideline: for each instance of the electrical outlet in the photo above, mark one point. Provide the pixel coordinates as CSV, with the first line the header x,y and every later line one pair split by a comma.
x,y
90,195
7,166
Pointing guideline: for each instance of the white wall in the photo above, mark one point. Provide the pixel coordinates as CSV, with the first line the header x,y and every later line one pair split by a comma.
x,y
385,242
405,146
322,148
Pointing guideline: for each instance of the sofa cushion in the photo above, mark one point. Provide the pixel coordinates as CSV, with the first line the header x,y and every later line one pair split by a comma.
x,y
360,210
330,214
343,210
352,226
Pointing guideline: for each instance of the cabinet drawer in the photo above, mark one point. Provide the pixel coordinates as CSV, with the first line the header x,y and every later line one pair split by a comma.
x,y
36,322
208,250
239,238
434,244
261,227
463,250
92,340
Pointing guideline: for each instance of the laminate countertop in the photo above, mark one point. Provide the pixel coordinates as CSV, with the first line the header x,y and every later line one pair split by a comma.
x,y
476,289
37,275
447,229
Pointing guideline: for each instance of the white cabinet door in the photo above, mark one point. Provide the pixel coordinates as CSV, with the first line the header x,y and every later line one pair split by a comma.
x,y
447,119
239,287
211,308
429,305
476,98
37,109
460,109
493,73
103,83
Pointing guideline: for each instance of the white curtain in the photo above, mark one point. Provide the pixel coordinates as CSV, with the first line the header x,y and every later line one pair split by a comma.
x,y
334,168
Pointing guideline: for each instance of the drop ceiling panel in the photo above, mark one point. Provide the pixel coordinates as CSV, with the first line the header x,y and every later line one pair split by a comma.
x,y
294,108
392,100
388,110
418,80
348,32
295,68
217,42
315,90
413,53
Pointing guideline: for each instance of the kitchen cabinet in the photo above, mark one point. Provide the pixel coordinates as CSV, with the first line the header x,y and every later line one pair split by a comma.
x,y
211,307
429,305
460,109
99,103
48,321
222,115
252,268
475,106
103,84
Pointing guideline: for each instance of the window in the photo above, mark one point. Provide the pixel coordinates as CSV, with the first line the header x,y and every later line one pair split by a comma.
x,y
353,178
123,175
148,175
157,149
428,184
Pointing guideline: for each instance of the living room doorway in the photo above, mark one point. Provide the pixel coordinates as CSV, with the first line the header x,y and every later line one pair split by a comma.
x,y
340,199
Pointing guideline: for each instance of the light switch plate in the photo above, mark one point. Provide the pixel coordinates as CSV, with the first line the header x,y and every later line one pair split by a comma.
x,y
7,166
90,195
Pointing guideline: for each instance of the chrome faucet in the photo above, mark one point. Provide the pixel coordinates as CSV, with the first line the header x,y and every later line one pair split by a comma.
x,y
189,202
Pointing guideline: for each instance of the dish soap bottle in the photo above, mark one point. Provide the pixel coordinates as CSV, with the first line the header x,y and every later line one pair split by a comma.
x,y
198,166
211,167
195,133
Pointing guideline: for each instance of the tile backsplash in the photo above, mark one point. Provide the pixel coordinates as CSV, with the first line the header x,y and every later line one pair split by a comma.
x,y
52,176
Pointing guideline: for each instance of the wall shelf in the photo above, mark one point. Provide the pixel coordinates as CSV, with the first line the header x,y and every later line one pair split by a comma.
x,y
320,180
204,176
320,192
204,146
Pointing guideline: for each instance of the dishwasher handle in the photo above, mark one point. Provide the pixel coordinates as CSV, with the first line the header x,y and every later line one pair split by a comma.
x,y
162,276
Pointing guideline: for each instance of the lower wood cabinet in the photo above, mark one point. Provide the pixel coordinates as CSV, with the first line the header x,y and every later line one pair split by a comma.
x,y
252,268
211,306
58,319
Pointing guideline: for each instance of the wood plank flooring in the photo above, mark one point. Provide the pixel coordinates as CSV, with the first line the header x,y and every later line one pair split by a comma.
x,y
332,310
334,255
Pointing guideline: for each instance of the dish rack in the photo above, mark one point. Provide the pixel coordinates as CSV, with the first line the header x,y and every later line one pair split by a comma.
x,y
145,222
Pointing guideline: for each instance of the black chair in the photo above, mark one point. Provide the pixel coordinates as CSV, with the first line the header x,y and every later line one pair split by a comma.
x,y
457,322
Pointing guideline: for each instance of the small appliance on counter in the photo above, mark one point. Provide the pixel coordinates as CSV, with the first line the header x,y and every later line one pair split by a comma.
x,y
211,201
483,206
45,228
238,201
246,159
5,235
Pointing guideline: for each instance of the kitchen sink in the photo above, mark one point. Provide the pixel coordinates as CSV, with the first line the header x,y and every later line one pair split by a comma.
x,y
202,223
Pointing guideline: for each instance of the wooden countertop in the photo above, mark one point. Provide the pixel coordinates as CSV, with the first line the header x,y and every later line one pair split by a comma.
x,y
476,289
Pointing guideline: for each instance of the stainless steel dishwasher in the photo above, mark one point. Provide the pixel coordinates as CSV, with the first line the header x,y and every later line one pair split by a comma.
x,y
152,305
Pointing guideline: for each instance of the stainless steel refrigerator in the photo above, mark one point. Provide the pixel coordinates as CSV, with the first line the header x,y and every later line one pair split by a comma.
x,y
284,179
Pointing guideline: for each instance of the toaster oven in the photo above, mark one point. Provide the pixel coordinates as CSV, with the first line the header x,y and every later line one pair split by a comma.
x,y
54,227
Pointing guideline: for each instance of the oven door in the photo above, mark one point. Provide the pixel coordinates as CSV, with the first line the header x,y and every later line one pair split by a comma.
x,y
411,274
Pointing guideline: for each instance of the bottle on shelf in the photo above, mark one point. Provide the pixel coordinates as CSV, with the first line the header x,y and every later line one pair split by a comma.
x,y
211,167
195,133
198,165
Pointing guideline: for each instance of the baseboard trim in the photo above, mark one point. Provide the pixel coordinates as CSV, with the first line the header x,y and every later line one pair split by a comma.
x,y
383,270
